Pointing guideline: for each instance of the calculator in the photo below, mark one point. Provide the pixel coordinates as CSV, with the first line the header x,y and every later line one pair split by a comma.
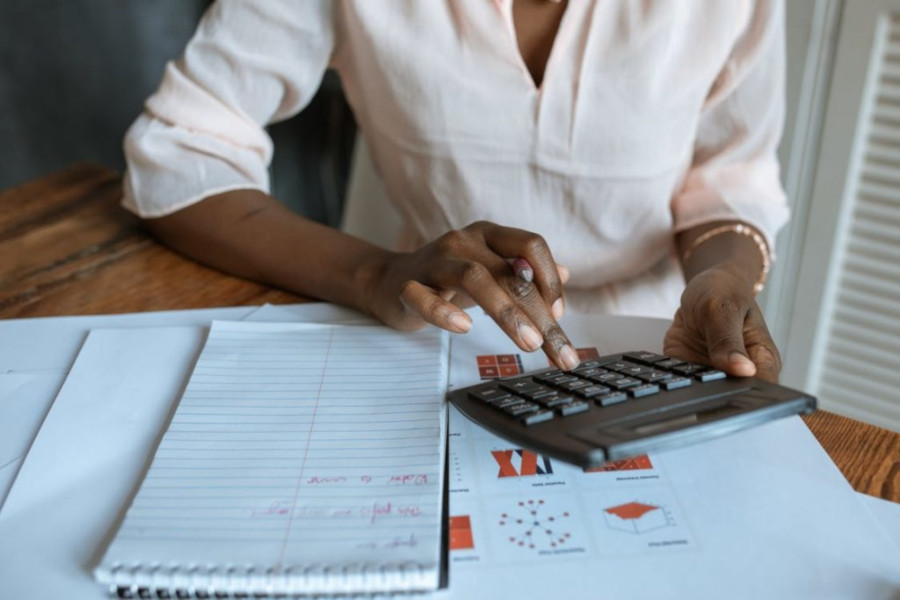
x,y
622,405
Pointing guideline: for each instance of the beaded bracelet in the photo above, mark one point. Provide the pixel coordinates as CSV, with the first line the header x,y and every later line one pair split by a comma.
x,y
740,229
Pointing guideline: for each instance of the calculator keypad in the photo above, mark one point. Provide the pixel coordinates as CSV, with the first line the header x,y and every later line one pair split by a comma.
x,y
553,394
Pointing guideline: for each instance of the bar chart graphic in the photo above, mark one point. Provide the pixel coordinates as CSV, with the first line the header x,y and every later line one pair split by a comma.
x,y
521,463
635,463
461,533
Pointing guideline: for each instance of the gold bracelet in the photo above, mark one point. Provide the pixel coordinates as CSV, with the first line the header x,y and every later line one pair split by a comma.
x,y
740,229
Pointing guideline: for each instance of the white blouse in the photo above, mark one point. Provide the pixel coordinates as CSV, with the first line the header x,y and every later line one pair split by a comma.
x,y
652,117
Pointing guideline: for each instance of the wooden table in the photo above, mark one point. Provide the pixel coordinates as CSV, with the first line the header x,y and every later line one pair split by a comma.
x,y
67,248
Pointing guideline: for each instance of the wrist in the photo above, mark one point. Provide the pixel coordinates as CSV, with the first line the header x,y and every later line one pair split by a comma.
x,y
746,279
733,247
371,272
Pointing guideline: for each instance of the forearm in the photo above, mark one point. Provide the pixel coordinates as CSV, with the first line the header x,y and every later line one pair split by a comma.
x,y
250,234
735,252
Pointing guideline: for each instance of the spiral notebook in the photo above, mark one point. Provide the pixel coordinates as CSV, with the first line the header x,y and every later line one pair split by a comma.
x,y
301,459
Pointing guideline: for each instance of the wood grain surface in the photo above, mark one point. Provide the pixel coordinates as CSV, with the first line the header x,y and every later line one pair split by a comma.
x,y
868,456
66,247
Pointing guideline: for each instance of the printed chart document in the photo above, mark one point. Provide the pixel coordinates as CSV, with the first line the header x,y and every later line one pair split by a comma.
x,y
763,513
301,459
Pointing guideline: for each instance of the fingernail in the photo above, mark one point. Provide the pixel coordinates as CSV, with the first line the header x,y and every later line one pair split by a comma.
x,y
569,357
523,270
460,321
742,363
531,338
558,309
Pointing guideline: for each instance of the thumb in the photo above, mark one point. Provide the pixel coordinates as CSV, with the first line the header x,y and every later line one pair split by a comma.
x,y
725,339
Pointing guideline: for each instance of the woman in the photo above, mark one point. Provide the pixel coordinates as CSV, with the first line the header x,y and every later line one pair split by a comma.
x,y
632,141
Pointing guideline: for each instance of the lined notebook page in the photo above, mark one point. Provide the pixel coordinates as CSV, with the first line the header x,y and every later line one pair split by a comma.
x,y
297,448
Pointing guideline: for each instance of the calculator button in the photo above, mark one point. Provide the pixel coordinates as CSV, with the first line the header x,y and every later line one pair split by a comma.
x,y
587,372
524,408
688,369
536,417
554,401
653,376
604,377
538,393
591,391
520,386
622,382
597,362
646,358
621,365
548,376
507,402
648,389
710,375
573,409
611,398
668,363
675,383
561,379
635,371
488,393
571,386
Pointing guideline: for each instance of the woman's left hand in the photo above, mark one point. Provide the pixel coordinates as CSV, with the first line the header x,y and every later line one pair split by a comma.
x,y
720,324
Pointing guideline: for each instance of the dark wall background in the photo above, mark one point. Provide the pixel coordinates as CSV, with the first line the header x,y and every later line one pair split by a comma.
x,y
75,74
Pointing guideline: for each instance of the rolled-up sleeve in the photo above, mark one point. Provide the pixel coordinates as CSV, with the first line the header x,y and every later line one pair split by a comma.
x,y
250,63
734,172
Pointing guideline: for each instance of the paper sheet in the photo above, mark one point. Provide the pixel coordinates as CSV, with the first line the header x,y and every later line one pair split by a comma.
x,y
760,514
88,457
300,445
35,365
312,312
24,400
887,514
51,538
51,343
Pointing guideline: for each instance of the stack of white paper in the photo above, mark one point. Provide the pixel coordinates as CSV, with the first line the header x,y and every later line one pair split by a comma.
x,y
760,514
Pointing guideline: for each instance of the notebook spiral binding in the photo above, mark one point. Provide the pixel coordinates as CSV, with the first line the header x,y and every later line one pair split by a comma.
x,y
179,581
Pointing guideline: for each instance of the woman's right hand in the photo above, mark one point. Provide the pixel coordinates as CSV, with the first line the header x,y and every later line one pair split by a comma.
x,y
472,266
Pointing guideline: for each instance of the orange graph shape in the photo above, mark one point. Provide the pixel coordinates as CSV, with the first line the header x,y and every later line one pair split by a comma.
x,y
634,463
631,510
461,533
506,359
486,360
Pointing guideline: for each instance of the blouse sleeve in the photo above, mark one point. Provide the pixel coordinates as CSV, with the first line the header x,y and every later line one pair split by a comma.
x,y
734,173
250,63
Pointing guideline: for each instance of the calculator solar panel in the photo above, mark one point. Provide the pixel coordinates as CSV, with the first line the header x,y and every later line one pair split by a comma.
x,y
623,405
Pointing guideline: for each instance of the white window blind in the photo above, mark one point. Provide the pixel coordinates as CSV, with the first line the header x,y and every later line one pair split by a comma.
x,y
859,371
